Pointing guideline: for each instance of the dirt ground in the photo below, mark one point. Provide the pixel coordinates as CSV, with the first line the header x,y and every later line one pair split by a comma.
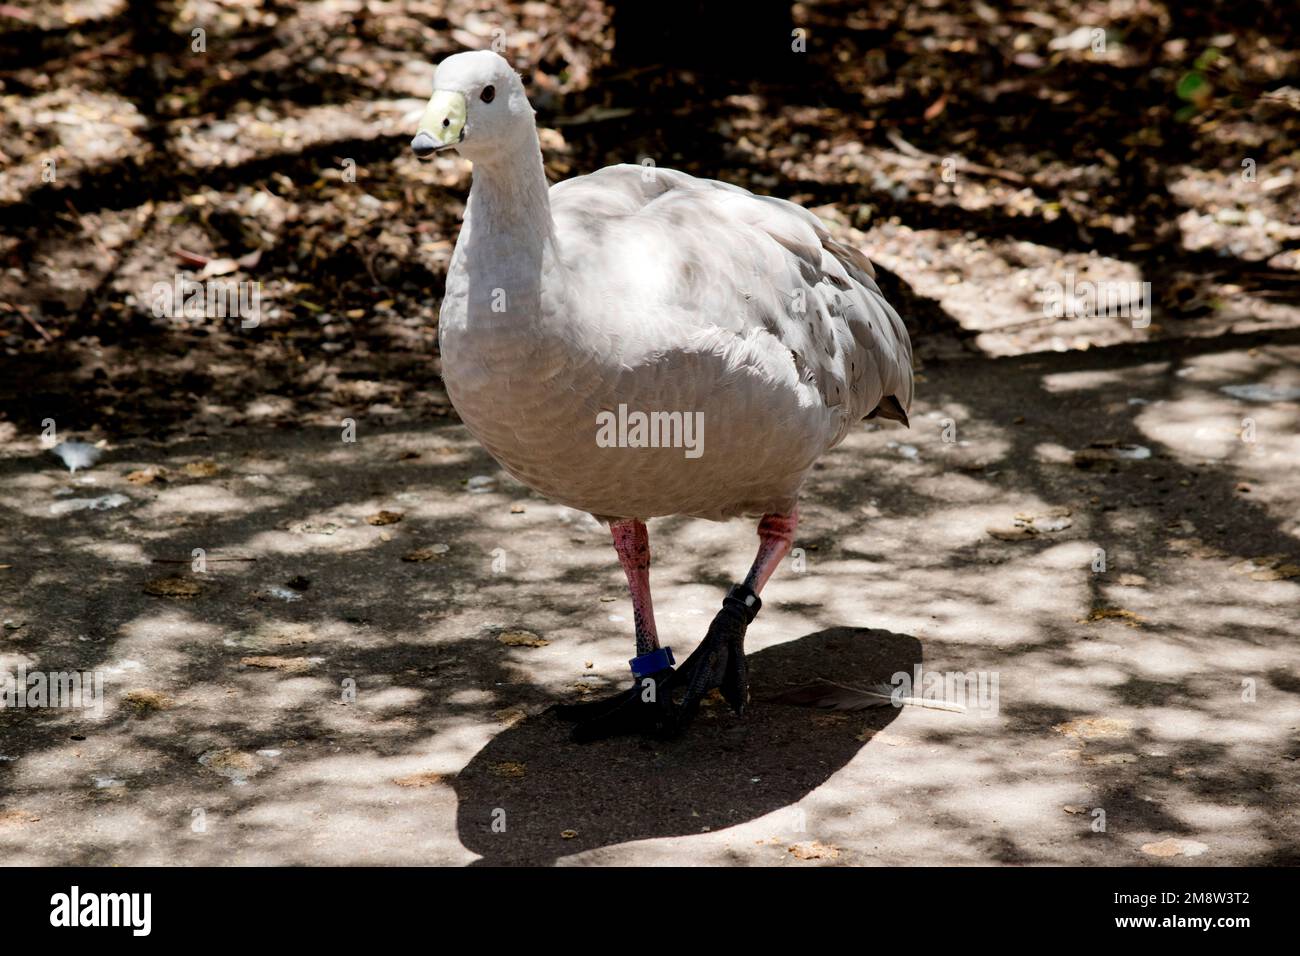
x,y
1122,690
1101,515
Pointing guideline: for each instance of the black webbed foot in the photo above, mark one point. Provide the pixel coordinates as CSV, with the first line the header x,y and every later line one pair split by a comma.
x,y
663,703
719,661
645,708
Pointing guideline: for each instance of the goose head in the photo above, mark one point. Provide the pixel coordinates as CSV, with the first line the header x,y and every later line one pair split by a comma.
x,y
478,107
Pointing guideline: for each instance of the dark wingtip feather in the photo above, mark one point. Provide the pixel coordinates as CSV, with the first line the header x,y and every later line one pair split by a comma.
x,y
890,407
829,695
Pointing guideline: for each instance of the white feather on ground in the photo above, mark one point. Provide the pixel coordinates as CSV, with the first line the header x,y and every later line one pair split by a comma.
x,y
77,454
829,695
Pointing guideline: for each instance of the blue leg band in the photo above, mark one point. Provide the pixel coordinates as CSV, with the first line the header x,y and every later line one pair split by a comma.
x,y
652,663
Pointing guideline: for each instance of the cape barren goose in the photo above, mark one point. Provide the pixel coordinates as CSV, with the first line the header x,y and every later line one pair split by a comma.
x,y
638,342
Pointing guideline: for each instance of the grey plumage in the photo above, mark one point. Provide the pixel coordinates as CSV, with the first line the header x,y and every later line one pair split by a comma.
x,y
651,290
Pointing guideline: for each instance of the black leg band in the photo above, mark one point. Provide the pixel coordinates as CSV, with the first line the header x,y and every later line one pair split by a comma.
x,y
741,597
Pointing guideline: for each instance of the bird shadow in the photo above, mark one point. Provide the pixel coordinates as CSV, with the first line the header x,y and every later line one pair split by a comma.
x,y
531,796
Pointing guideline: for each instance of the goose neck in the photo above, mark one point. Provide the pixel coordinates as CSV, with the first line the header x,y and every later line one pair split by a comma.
x,y
509,198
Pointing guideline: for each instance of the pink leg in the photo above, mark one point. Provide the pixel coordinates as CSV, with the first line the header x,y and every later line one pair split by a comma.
x,y
632,542
776,538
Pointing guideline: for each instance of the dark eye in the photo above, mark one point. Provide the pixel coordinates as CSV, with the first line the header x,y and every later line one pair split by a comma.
x,y
489,94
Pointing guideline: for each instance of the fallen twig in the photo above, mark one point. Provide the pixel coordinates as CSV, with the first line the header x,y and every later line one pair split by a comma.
x,y
196,259
963,164
22,310
190,560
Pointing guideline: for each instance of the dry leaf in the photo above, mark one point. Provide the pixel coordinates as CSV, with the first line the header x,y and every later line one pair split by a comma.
x,y
200,469
1109,760
509,715
1095,728
522,639
385,517
1017,533
1029,525
147,476
1174,847
1113,613
173,587
1277,574
1196,548
145,702
416,781
426,554
291,665
814,851
1269,567
218,267
231,764
16,818
283,635
509,768
1087,457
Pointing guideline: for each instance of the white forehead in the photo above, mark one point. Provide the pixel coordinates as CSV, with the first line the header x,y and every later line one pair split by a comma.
x,y
466,72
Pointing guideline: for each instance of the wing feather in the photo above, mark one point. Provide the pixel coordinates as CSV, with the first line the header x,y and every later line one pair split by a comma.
x,y
751,265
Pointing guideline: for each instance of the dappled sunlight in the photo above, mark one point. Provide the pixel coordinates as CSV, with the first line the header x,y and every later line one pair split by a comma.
x,y
1166,658
251,674
1235,725
118,552
10,661
281,693
1135,384
1091,665
390,701
202,500
1246,624
346,535
949,488
330,627
1200,428
157,646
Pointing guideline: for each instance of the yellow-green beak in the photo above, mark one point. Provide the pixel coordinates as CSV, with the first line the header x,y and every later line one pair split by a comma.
x,y
442,125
